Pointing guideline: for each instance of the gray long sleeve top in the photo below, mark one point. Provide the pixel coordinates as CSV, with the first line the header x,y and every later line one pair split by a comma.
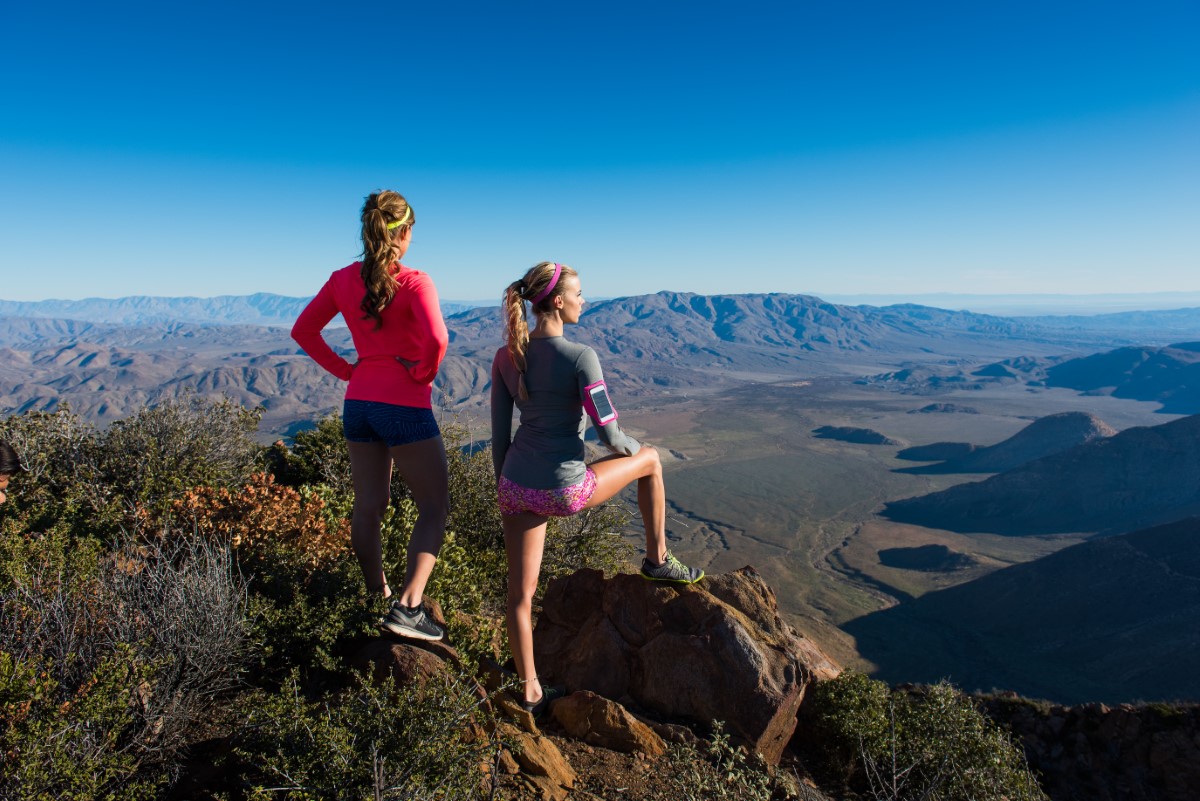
x,y
548,450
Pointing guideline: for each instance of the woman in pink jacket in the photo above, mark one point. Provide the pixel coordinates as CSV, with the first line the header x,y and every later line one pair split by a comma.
x,y
400,338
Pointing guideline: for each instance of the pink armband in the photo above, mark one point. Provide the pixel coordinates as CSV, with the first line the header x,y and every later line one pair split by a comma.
x,y
597,404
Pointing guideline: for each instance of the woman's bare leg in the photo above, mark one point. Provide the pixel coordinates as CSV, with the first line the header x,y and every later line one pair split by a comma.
x,y
422,465
371,473
524,541
614,473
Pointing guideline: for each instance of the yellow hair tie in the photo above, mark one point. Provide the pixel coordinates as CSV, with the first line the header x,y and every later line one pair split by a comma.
x,y
407,213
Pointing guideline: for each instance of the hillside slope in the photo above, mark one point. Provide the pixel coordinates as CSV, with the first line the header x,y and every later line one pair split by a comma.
x,y
1045,436
1169,375
1139,477
1113,619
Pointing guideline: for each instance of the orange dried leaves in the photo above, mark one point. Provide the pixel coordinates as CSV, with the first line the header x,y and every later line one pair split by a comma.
x,y
263,515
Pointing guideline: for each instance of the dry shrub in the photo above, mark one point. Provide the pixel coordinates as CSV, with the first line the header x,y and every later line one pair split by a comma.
x,y
111,663
263,516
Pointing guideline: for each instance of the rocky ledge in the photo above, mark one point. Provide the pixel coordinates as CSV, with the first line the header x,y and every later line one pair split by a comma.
x,y
643,664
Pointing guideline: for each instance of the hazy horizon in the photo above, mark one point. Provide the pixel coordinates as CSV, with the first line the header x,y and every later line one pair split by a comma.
x,y
1000,304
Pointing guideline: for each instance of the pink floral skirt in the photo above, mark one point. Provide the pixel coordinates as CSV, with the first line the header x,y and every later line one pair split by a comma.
x,y
561,502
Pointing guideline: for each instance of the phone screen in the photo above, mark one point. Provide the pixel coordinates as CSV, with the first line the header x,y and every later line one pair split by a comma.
x,y
604,409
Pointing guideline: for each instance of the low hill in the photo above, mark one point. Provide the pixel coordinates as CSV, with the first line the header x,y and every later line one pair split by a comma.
x,y
861,436
1045,436
1141,476
1170,375
1112,619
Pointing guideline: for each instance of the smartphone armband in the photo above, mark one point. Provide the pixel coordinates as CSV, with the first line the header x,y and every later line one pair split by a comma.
x,y
597,404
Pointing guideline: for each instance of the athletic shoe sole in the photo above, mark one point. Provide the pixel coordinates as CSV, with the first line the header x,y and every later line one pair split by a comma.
x,y
401,630
671,580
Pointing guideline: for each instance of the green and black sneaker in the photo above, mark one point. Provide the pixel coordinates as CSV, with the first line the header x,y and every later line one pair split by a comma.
x,y
671,570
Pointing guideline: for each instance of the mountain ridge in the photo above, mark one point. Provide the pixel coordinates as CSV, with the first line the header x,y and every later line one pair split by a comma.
x,y
1109,484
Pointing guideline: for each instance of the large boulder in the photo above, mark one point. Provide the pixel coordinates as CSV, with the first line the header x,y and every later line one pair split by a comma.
x,y
717,650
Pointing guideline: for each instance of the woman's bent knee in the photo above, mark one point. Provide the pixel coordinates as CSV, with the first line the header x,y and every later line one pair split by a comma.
x,y
653,460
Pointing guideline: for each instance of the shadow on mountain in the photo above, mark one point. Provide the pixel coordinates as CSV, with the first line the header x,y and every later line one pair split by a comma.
x,y
1046,436
1113,620
1170,375
1140,477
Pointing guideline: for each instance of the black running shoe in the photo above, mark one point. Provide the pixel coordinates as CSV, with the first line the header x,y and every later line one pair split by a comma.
x,y
414,623
671,570
549,696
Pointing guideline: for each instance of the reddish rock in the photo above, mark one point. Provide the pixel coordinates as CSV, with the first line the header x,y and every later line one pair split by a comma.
x,y
405,662
717,650
543,765
599,721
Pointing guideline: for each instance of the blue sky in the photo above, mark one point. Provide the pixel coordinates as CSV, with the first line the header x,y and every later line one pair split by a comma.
x,y
836,148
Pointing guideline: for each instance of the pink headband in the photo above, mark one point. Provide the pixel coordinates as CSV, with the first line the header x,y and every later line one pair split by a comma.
x,y
549,287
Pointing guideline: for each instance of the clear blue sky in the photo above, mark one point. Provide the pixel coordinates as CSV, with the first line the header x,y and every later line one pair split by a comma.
x,y
832,147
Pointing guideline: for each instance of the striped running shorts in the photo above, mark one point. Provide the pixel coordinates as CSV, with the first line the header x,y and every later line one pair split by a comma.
x,y
372,421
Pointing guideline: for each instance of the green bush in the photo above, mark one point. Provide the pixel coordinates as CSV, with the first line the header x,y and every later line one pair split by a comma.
x,y
128,476
372,741
63,488
151,459
717,770
69,743
318,456
930,743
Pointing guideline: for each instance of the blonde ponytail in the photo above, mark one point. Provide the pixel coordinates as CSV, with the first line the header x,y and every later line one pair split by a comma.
x,y
386,215
516,332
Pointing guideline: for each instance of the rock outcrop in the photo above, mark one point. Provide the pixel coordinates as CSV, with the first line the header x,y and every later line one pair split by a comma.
x,y
1147,752
717,650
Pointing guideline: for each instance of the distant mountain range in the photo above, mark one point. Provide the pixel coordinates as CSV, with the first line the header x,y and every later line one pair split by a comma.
x,y
1113,619
262,308
1139,477
108,358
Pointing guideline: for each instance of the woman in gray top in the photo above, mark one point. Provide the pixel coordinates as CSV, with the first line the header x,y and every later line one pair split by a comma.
x,y
541,472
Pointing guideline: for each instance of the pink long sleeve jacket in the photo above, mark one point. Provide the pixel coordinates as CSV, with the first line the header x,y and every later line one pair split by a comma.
x,y
412,329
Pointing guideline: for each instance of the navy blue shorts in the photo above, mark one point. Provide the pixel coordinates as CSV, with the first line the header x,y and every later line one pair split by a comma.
x,y
372,421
